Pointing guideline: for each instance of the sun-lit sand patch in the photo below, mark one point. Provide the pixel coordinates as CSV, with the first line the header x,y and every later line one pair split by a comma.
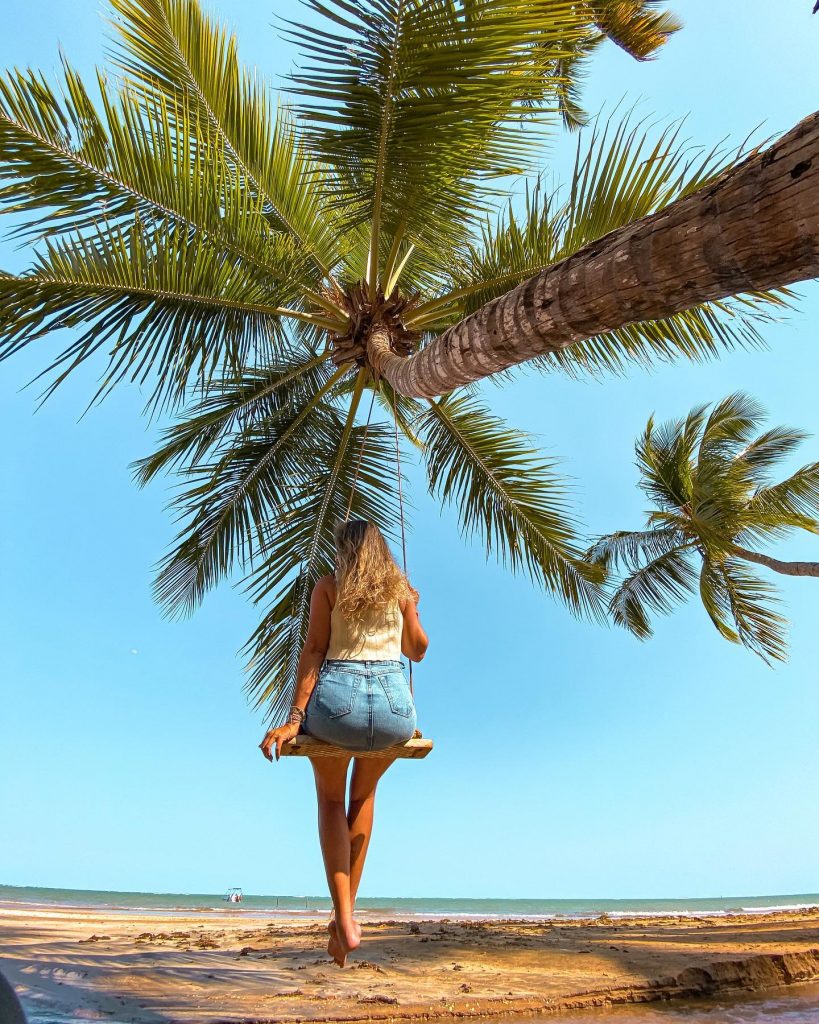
x,y
135,966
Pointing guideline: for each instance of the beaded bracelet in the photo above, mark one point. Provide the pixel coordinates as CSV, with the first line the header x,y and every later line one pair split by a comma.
x,y
296,715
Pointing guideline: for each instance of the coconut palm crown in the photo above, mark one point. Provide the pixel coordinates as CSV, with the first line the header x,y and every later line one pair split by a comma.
x,y
710,479
232,254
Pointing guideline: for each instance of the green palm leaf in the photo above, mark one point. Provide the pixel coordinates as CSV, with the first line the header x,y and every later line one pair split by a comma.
x,y
413,104
629,549
739,592
514,499
171,304
656,586
631,25
69,168
228,502
771,447
715,599
230,406
635,25
728,430
664,456
721,480
797,497
171,48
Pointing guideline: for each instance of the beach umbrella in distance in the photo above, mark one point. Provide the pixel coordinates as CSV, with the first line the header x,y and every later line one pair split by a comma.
x,y
709,478
251,265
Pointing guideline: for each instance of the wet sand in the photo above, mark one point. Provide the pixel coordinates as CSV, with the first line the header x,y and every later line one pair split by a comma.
x,y
89,964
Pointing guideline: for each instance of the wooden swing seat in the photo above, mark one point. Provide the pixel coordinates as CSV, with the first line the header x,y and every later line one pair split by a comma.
x,y
309,746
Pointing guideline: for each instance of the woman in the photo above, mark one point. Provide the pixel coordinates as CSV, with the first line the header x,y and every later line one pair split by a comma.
x,y
351,691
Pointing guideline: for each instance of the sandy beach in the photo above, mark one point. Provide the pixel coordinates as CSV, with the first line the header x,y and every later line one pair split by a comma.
x,y
90,964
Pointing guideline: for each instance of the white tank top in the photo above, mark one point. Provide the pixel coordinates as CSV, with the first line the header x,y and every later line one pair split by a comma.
x,y
376,638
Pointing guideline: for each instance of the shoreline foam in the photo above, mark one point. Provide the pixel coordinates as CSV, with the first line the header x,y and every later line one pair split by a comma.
x,y
315,907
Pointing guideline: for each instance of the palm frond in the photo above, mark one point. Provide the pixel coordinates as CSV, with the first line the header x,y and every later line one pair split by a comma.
x,y
636,26
769,448
700,334
798,495
571,73
628,550
663,454
170,48
227,502
415,105
68,167
231,405
515,500
53,151
742,594
715,599
174,307
655,587
509,251
622,174
721,476
728,429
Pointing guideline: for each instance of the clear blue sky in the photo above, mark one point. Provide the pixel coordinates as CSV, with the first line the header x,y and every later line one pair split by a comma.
x,y
571,761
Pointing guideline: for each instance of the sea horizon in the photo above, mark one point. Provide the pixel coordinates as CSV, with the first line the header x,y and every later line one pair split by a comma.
x,y
172,903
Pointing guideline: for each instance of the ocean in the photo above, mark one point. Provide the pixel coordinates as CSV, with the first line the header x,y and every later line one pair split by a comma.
x,y
426,907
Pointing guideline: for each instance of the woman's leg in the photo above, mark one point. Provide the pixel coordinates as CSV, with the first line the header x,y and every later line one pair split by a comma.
x,y
366,773
334,835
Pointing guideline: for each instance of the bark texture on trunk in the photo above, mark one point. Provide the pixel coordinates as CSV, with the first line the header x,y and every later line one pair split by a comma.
x,y
756,227
786,568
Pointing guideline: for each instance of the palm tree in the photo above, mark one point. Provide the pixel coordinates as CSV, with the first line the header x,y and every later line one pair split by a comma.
x,y
709,478
242,260
754,227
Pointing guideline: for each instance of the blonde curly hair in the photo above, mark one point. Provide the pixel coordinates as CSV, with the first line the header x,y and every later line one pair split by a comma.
x,y
367,576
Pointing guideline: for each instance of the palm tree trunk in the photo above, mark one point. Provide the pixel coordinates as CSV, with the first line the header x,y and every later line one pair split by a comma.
x,y
756,227
786,568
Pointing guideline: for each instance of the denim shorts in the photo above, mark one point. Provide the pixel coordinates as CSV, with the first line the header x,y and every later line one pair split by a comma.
x,y
361,705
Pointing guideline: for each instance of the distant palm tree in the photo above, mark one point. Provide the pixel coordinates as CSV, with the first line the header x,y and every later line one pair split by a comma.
x,y
238,257
709,479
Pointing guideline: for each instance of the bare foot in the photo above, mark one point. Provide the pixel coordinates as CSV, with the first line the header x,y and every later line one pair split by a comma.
x,y
343,941
333,945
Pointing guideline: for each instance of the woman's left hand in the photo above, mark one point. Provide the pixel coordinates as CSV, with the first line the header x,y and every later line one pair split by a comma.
x,y
277,738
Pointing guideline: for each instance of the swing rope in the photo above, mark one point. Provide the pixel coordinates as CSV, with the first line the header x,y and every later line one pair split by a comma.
x,y
400,487
401,507
360,457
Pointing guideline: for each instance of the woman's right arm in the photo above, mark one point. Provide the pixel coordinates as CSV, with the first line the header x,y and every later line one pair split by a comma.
x,y
312,656
414,641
